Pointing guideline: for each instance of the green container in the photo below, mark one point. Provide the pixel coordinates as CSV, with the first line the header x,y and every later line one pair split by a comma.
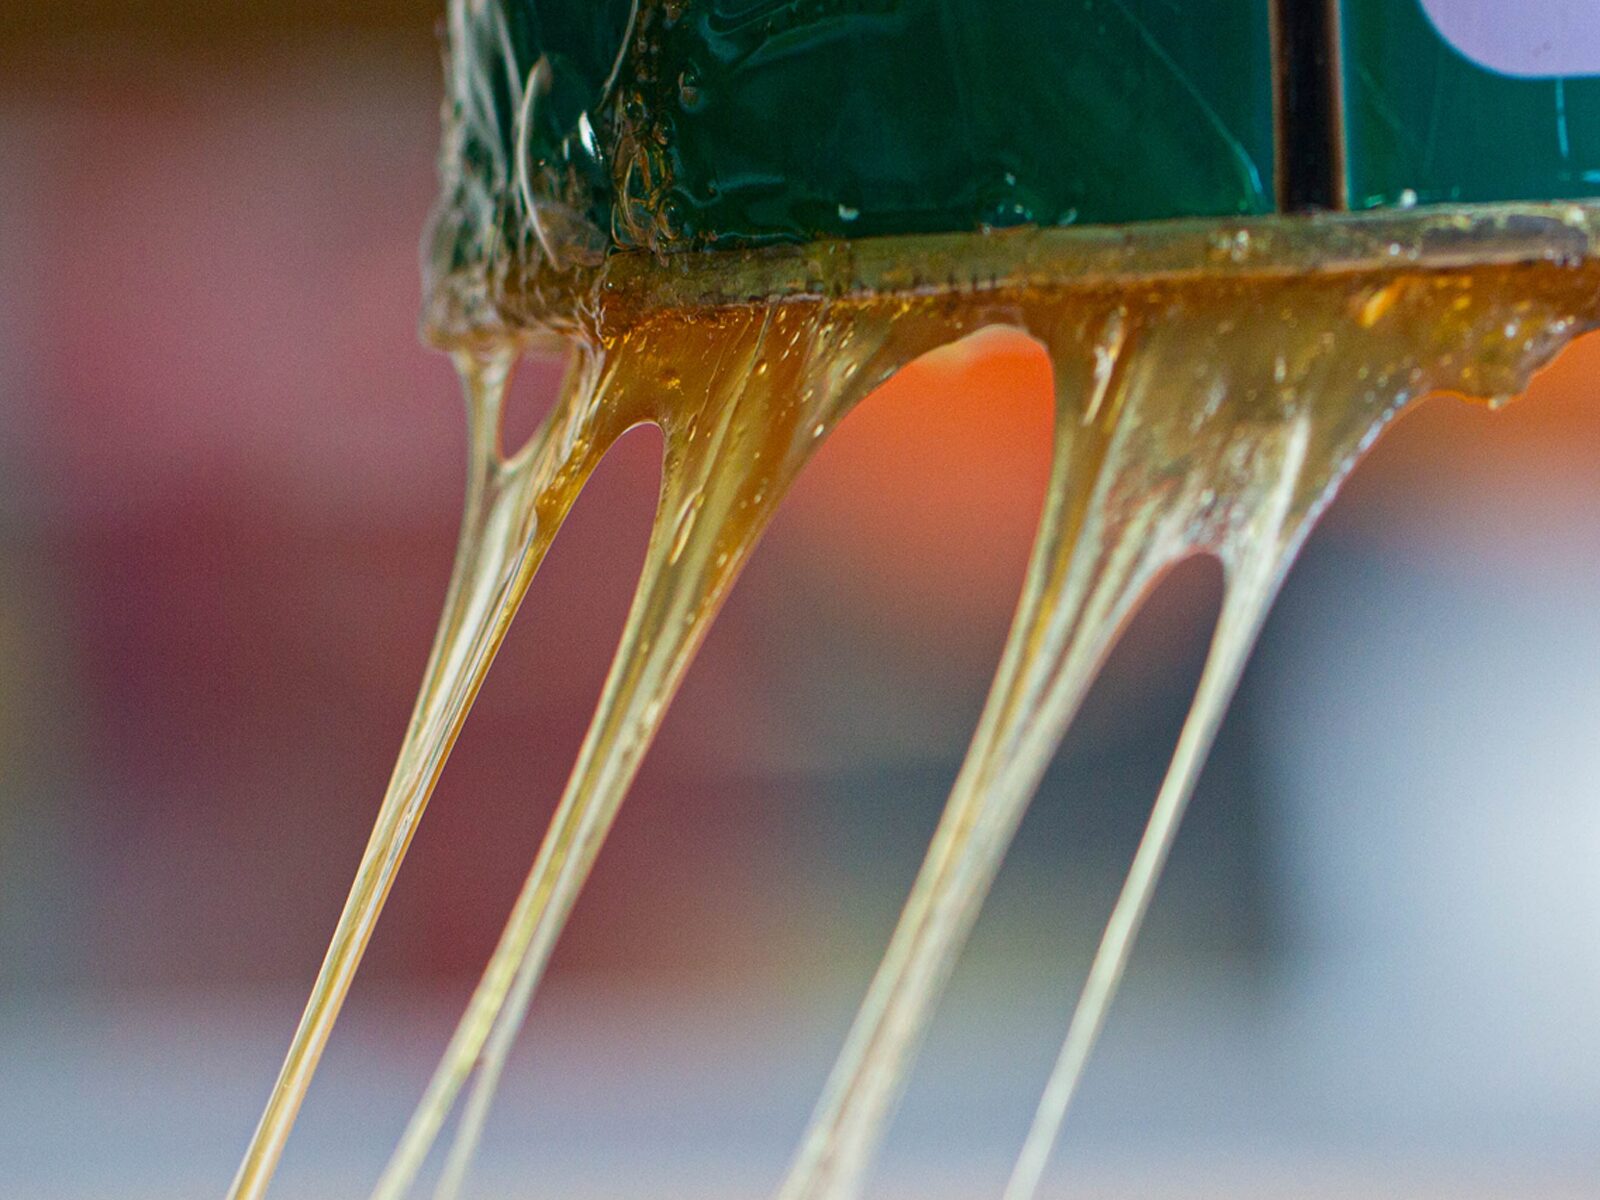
x,y
700,124
697,123
1463,101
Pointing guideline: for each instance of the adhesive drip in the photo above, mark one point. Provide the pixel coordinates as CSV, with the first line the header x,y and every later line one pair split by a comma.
x,y
1199,412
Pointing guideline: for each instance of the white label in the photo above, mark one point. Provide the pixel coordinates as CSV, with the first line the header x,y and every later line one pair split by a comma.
x,y
1538,39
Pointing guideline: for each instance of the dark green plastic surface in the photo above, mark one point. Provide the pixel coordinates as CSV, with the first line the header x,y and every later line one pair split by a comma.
x,y
695,123
795,119
1423,122
686,124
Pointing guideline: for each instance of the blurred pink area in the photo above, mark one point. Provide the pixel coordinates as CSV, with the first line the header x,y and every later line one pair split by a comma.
x,y
240,476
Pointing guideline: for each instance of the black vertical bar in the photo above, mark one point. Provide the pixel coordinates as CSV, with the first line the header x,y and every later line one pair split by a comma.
x,y
1310,105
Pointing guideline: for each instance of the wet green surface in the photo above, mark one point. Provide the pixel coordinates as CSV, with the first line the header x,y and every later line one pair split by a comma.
x,y
1423,118
742,122
692,124
798,119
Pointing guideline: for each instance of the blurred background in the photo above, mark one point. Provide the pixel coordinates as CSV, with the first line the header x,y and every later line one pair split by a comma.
x,y
229,483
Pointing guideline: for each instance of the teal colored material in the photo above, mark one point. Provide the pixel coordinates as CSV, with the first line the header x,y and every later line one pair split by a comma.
x,y
690,124
786,120
1424,122
696,123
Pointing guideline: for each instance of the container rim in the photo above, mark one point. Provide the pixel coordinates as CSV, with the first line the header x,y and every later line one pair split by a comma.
x,y
492,300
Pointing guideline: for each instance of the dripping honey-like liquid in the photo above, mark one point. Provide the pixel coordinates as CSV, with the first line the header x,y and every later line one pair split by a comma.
x,y
1526,263
1214,386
